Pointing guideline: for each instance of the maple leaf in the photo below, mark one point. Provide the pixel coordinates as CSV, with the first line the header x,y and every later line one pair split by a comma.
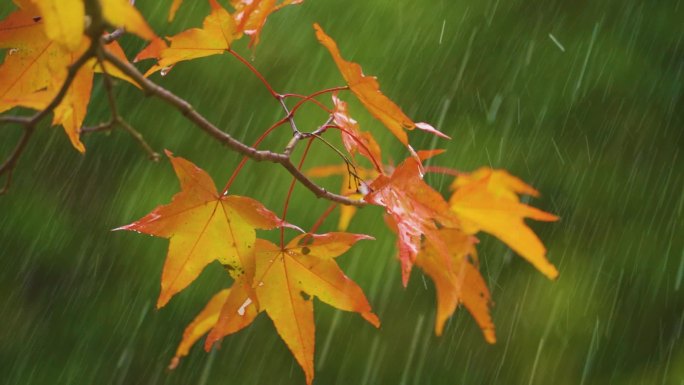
x,y
152,51
457,280
487,200
71,112
367,90
214,38
32,58
174,8
36,67
65,19
415,210
203,322
354,189
355,140
237,298
202,226
285,281
121,13
250,15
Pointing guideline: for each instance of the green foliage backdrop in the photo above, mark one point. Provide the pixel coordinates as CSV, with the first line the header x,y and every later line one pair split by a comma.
x,y
582,99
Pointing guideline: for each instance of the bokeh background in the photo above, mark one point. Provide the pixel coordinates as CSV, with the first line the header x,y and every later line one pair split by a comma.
x,y
583,99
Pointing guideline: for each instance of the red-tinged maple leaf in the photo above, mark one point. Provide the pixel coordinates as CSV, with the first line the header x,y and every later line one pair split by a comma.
x,y
353,186
457,280
202,226
285,282
415,211
250,15
367,90
487,200
214,38
355,140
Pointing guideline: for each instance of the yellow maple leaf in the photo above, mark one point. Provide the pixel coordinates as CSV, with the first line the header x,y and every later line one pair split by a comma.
x,y
487,201
202,226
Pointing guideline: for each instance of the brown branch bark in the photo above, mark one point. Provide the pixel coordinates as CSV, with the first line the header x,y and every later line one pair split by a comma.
x,y
222,137
97,49
29,124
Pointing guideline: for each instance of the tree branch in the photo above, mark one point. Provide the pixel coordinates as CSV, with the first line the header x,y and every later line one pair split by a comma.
x,y
226,139
116,119
29,124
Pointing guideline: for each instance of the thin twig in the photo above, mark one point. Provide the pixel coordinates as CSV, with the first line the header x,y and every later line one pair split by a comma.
x,y
11,162
22,120
202,123
154,156
290,117
256,72
322,218
116,119
106,126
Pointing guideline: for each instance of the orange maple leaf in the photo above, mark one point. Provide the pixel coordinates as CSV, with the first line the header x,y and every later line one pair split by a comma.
x,y
36,67
367,90
457,280
236,301
285,281
487,200
214,38
174,8
202,226
203,322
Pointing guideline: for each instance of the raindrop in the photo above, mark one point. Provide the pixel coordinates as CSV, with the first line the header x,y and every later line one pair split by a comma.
x,y
241,310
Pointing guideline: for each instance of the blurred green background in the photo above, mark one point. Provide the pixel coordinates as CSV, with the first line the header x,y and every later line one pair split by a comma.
x,y
583,99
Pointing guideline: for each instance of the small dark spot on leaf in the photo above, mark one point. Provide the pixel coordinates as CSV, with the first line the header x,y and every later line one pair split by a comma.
x,y
305,250
306,240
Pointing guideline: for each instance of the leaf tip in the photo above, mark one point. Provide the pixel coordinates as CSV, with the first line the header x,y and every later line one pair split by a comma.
x,y
553,273
489,336
174,363
163,300
372,318
124,227
428,128
366,237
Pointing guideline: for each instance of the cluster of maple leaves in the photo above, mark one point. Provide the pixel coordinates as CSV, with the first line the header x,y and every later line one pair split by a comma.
x,y
203,225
